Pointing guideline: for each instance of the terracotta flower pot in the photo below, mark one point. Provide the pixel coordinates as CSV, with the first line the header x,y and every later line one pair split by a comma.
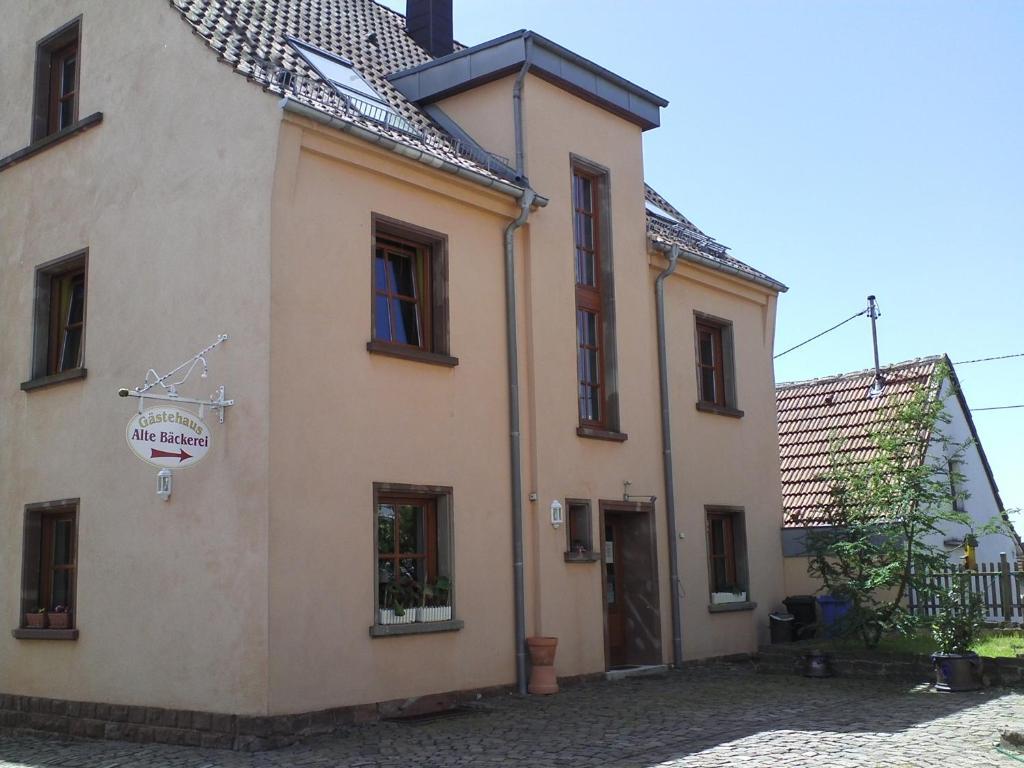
x,y
35,620
542,657
59,620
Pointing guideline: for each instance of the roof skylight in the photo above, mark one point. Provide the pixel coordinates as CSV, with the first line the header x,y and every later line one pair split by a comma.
x,y
351,86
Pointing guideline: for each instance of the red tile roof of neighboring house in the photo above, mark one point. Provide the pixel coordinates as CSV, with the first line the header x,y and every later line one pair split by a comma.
x,y
813,414
251,36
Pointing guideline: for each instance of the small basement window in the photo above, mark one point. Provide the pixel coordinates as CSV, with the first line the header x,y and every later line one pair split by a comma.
x,y
351,86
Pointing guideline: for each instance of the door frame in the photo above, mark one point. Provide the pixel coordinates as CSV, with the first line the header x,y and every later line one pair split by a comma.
x,y
627,507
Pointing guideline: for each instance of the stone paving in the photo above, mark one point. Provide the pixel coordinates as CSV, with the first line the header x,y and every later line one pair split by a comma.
x,y
706,716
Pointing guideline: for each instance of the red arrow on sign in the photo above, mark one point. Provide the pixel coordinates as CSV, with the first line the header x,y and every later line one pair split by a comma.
x,y
180,455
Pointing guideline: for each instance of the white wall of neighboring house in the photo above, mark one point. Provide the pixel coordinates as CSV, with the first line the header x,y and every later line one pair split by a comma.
x,y
981,503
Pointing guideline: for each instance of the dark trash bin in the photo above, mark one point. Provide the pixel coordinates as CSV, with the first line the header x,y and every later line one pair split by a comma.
x,y
833,609
805,615
781,626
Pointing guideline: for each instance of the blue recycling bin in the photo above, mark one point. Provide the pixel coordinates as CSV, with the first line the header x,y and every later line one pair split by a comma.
x,y
833,609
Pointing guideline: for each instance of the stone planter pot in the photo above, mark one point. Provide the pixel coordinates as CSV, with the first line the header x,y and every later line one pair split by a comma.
x,y
35,620
957,672
59,620
542,659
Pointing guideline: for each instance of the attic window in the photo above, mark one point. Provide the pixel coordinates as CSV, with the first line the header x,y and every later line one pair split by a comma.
x,y
351,86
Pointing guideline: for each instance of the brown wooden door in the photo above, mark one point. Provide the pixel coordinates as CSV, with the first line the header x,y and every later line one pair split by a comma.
x,y
614,592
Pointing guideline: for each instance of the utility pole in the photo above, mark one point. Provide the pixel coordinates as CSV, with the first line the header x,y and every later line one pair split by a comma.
x,y
874,314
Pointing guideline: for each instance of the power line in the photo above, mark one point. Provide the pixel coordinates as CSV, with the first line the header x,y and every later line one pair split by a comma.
x,y
997,408
986,359
829,330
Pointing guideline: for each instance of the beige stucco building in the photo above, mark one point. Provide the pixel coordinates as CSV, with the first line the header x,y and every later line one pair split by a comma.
x,y
355,210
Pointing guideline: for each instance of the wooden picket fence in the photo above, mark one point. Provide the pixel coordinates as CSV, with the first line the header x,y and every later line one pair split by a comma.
x,y
999,585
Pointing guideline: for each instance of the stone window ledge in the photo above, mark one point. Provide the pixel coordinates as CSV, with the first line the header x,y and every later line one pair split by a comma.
x,y
49,141
602,434
24,633
56,378
416,628
730,607
411,353
721,410
582,557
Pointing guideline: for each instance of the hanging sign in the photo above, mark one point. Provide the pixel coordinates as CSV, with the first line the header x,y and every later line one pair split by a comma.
x,y
168,437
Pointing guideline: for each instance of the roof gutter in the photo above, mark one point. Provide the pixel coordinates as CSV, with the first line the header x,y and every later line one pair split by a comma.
x,y
433,161
666,457
704,261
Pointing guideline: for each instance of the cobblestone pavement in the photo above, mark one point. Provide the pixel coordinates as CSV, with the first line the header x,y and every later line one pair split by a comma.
x,y
711,716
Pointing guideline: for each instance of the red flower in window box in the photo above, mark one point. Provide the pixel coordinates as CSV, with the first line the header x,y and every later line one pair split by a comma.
x,y
59,618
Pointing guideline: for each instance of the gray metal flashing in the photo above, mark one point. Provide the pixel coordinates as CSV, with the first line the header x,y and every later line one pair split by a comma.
x,y
488,61
710,263
452,128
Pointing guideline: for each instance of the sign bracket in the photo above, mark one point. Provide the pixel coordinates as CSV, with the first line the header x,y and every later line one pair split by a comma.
x,y
216,402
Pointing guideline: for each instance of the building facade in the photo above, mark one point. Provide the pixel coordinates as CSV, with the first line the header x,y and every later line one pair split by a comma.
x,y
437,268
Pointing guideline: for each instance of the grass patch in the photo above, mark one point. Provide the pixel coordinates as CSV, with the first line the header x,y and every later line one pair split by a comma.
x,y
989,644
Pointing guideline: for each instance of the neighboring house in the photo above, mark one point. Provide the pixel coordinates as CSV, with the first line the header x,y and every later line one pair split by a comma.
x,y
343,191
814,414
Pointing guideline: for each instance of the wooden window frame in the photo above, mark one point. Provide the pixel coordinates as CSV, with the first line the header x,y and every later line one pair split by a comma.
x,y
38,567
596,300
48,326
736,551
722,369
51,52
439,556
716,368
431,254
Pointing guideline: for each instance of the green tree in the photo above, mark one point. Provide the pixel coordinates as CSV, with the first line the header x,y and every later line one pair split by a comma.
x,y
886,501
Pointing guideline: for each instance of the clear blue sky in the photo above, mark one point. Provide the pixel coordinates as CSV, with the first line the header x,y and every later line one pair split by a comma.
x,y
845,148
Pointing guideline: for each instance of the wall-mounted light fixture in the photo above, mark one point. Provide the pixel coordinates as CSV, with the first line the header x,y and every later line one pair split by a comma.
x,y
163,483
556,514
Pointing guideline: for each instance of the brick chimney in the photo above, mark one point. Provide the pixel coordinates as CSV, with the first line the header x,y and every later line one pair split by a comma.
x,y
429,23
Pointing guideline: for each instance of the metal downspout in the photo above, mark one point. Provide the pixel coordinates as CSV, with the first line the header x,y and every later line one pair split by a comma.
x,y
512,345
666,452
512,348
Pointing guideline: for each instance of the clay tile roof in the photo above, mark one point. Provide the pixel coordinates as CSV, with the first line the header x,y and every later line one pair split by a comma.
x,y
666,227
251,36
813,414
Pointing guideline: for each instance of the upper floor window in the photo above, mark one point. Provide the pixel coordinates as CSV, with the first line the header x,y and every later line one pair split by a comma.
x,y
56,81
60,315
716,386
410,292
595,327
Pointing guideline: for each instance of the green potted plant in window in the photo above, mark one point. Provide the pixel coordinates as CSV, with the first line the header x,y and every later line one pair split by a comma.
x,y
59,617
396,601
435,601
955,629
36,619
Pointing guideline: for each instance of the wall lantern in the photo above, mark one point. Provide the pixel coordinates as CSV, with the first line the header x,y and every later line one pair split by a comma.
x,y
556,513
163,483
